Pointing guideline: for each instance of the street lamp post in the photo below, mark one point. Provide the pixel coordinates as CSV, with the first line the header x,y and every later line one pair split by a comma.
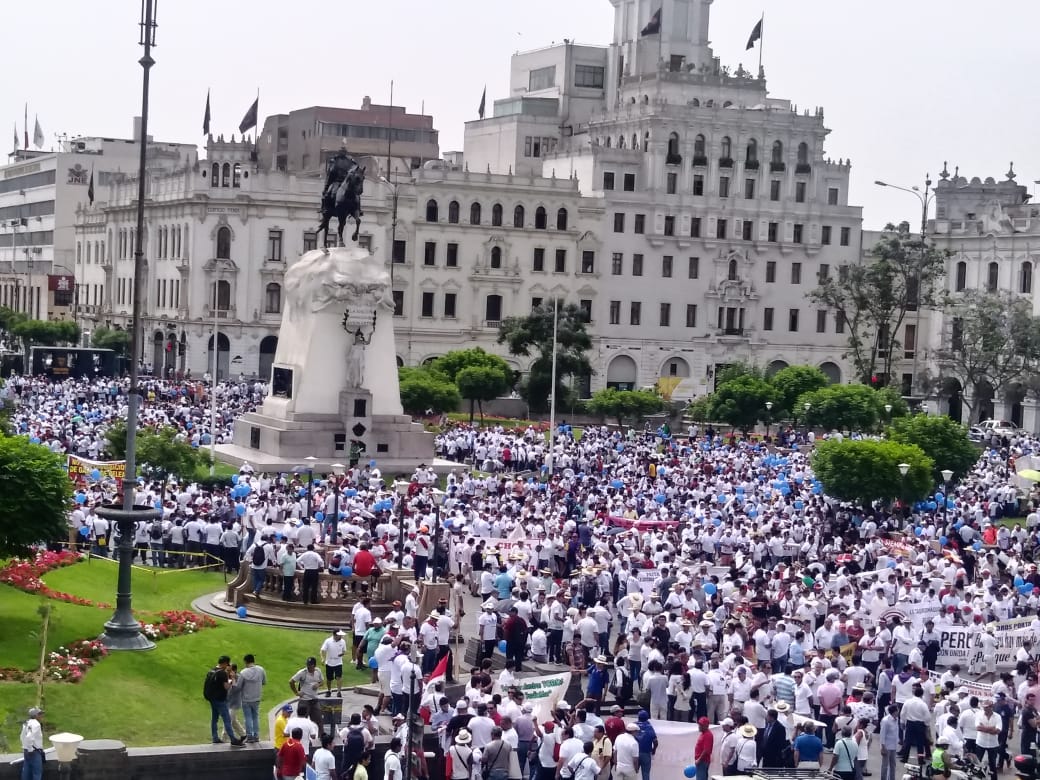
x,y
123,631
769,416
393,221
311,460
925,198
401,489
438,500
331,527
903,469
947,475
805,419
888,413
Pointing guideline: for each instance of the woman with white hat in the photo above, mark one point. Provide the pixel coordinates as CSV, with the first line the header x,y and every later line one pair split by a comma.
x,y
746,749
460,757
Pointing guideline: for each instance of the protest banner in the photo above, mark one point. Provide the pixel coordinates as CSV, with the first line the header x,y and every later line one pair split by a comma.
x,y
80,469
543,693
963,644
646,579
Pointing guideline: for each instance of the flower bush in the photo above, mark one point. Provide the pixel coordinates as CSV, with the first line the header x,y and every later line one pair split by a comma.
x,y
66,664
175,623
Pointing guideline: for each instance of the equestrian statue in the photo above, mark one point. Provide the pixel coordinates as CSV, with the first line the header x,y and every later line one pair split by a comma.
x,y
341,196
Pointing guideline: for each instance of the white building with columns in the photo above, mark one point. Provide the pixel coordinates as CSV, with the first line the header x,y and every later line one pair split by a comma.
x,y
721,208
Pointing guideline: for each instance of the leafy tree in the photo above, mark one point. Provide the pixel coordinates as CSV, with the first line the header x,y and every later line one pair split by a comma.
x,y
792,382
9,318
873,299
479,384
534,333
699,408
941,439
425,391
36,493
479,375
741,402
112,338
45,333
889,396
115,440
161,451
995,341
841,408
867,470
620,404
735,370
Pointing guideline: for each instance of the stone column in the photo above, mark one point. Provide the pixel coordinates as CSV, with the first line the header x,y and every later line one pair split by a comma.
x,y
1030,415
101,759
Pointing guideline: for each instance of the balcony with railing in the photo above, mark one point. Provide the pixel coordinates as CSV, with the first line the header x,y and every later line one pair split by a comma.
x,y
777,167
803,168
700,161
725,162
673,159
750,165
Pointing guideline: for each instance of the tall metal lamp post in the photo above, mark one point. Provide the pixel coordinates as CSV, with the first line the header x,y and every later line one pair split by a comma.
x,y
947,475
805,420
888,413
122,631
903,469
311,460
337,473
769,416
401,488
438,501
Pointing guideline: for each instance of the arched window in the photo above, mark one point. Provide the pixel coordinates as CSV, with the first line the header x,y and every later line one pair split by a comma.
x,y
803,153
431,210
621,142
961,276
236,178
778,153
214,175
273,298
224,243
496,215
646,141
561,219
540,220
1025,279
992,277
698,146
225,179
474,214
453,212
635,142
222,295
727,147
609,141
673,145
752,150
493,310
518,217
731,273
496,257
695,103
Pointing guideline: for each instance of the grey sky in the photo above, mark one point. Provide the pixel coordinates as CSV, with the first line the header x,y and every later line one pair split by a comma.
x,y
905,84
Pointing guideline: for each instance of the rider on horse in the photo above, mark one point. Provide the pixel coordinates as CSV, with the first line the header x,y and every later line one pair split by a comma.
x,y
338,171
341,196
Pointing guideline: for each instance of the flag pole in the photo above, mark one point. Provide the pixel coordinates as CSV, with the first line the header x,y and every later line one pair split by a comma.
x,y
761,41
389,129
256,130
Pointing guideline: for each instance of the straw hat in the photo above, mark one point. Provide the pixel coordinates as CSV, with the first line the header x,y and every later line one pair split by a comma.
x,y
463,737
748,731
782,706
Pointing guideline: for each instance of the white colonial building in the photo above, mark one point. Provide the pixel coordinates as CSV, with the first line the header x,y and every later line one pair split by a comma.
x,y
720,207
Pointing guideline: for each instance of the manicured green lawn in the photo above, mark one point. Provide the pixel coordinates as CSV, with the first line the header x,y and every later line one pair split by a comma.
x,y
150,698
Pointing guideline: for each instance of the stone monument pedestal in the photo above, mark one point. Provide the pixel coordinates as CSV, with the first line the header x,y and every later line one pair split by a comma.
x,y
334,394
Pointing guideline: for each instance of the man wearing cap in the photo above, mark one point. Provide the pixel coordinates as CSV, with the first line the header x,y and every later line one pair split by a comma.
x,y
331,652
32,745
703,748
307,682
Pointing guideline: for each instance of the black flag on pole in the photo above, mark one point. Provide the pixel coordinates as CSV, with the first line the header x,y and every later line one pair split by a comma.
x,y
756,35
205,117
483,103
90,187
249,120
653,27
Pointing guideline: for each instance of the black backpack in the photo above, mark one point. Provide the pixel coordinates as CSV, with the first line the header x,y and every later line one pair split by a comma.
x,y
213,688
259,555
155,530
353,747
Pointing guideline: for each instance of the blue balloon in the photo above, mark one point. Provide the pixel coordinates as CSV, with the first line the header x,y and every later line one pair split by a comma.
x,y
939,498
799,504
34,440
1019,582
617,484
319,516
918,531
95,475
502,646
752,513
81,499
240,509
1026,589
891,564
977,545
942,541
950,503
302,492
717,522
660,498
372,464
690,771
448,523
350,492
346,571
235,478
711,588
373,663
931,506
241,612
84,532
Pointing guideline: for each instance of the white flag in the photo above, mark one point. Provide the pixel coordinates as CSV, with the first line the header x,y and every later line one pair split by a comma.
x,y
38,138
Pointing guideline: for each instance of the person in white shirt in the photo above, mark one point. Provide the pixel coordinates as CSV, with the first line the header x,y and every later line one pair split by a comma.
x,y
324,762
988,724
332,651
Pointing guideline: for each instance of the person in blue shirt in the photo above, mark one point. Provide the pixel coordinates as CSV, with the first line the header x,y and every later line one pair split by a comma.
x,y
807,747
503,583
796,651
599,676
646,738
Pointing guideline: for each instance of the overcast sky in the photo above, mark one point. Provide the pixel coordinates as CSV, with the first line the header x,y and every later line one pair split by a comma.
x,y
905,84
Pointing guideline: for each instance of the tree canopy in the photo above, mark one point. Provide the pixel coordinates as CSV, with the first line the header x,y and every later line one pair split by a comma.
x,y
844,408
620,404
36,492
478,375
161,451
424,391
872,299
867,470
741,402
112,338
941,439
792,382
533,333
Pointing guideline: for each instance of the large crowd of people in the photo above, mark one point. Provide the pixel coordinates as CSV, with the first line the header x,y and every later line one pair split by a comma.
x,y
700,578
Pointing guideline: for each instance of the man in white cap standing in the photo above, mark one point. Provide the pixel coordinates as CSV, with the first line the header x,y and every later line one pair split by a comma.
x,y
32,746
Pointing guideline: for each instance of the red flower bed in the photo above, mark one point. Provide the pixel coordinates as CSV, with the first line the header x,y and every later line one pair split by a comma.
x,y
175,623
25,575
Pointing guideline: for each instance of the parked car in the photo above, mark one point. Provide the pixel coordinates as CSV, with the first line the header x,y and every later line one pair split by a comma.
x,y
987,428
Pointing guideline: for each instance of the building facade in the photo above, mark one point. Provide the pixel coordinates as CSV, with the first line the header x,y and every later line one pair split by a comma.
x,y
40,193
721,209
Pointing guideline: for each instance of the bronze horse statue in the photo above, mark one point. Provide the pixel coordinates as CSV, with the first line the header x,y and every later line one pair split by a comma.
x,y
342,200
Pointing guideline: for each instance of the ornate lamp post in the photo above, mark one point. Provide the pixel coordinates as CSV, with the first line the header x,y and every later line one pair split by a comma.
x,y
122,631
888,413
337,471
947,475
903,469
311,460
769,416
401,488
438,501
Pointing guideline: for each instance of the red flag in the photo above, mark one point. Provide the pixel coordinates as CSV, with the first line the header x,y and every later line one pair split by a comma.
x,y
440,671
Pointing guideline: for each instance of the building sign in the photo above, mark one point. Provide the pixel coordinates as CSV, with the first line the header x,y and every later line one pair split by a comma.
x,y
223,209
61,283
78,174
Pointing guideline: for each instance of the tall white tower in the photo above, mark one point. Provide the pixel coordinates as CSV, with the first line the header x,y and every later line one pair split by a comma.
x,y
681,43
